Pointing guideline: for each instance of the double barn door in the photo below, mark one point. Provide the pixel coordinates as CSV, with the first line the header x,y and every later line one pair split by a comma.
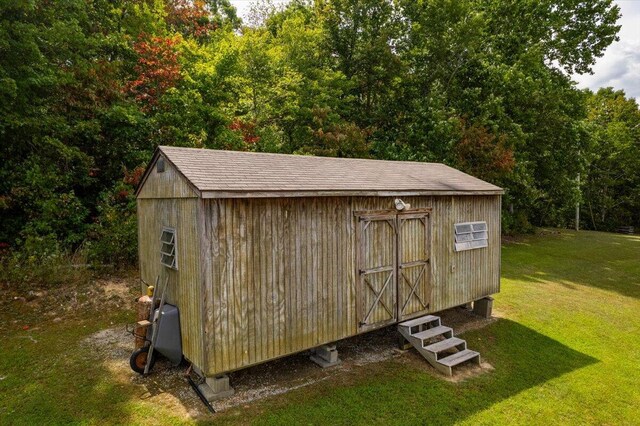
x,y
394,272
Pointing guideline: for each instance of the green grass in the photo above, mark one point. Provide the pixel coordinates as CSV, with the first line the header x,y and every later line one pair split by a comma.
x,y
566,350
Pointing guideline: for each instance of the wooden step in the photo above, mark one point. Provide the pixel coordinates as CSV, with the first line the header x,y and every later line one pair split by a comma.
x,y
433,332
419,321
445,345
459,358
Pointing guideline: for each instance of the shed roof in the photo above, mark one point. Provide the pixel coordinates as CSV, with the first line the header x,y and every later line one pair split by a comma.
x,y
217,173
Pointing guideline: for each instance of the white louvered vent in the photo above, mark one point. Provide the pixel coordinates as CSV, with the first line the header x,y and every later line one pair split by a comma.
x,y
471,235
168,248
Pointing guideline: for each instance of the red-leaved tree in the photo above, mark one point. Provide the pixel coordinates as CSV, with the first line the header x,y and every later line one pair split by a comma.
x,y
157,69
191,18
247,129
483,154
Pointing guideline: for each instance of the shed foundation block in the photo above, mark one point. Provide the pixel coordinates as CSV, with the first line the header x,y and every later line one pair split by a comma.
x,y
403,344
325,356
215,388
483,307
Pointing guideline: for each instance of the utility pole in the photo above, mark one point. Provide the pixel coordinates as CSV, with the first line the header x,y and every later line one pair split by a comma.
x,y
578,205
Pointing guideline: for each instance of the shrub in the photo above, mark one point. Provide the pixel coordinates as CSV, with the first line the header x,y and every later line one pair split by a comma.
x,y
113,238
40,263
516,223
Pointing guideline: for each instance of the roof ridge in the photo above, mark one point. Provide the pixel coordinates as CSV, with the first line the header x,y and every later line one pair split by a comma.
x,y
301,155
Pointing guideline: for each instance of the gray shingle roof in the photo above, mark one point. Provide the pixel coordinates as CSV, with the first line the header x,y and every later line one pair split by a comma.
x,y
231,173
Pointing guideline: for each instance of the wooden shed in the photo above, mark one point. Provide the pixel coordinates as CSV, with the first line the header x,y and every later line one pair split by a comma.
x,y
270,254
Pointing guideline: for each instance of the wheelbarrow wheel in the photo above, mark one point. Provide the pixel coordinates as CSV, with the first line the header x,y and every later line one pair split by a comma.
x,y
139,359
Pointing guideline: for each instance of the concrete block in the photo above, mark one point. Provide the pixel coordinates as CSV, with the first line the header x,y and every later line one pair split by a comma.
x,y
325,356
483,307
403,344
327,352
215,388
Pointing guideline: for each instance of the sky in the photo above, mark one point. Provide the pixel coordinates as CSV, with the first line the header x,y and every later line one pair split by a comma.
x,y
242,6
619,67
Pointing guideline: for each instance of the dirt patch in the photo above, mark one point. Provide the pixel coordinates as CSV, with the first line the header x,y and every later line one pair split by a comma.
x,y
463,320
167,384
118,291
33,307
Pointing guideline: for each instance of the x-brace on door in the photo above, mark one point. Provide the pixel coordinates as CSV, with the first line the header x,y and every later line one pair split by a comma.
x,y
394,273
414,269
377,270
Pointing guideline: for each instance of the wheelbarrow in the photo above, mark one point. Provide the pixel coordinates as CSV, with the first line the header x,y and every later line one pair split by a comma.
x,y
164,336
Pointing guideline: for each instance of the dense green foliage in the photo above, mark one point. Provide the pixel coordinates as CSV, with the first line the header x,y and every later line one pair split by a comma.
x,y
88,88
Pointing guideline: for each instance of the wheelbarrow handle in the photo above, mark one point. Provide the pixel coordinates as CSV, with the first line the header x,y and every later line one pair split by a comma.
x,y
132,331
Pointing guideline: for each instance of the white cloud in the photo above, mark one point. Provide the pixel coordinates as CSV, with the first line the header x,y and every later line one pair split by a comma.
x,y
620,65
243,7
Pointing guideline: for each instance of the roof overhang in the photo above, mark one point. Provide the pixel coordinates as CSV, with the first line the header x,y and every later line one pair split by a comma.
x,y
330,193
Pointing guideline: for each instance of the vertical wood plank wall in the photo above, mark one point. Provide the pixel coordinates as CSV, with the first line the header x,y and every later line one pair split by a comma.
x,y
414,282
282,274
185,283
376,247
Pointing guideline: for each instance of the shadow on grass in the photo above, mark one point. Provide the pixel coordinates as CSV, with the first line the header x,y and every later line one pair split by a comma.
x,y
48,380
609,262
403,392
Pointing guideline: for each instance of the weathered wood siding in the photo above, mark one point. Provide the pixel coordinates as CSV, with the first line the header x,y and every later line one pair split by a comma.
x,y
414,264
167,184
185,289
376,266
281,273
278,282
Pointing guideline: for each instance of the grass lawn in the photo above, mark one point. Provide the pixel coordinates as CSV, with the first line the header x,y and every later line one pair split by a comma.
x,y
566,350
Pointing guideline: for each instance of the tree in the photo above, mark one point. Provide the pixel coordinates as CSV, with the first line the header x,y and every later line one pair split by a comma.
x,y
88,89
612,184
362,36
157,70
568,34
